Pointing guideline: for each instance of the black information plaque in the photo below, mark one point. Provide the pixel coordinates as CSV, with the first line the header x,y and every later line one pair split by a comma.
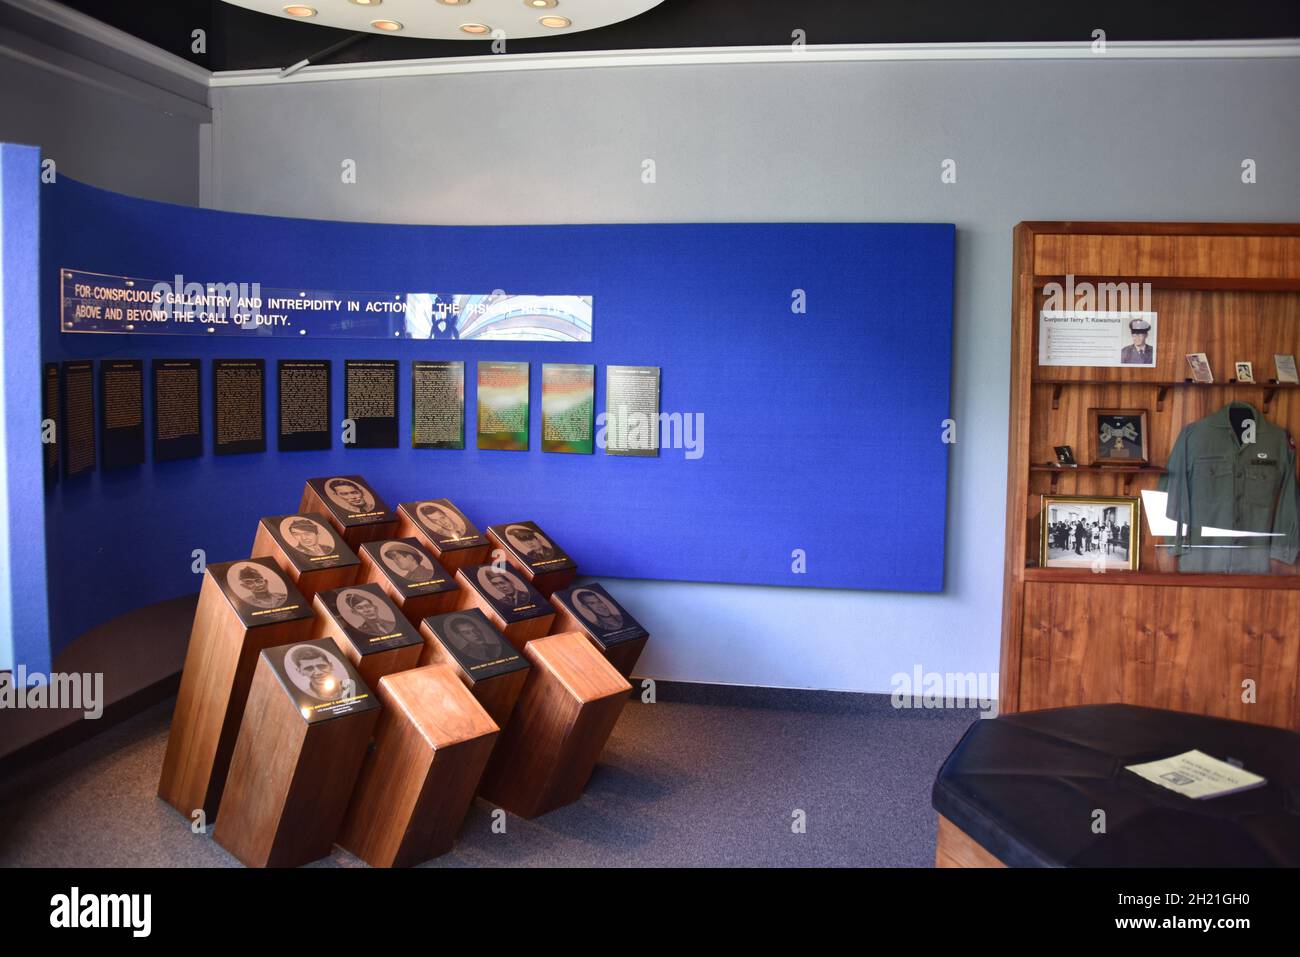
x,y
239,405
259,592
121,410
177,409
512,597
50,421
532,547
368,619
475,644
632,410
320,680
445,523
304,419
309,541
370,401
408,567
607,620
437,405
77,438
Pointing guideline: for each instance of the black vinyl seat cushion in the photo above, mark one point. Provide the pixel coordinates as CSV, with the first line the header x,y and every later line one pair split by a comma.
x,y
1025,786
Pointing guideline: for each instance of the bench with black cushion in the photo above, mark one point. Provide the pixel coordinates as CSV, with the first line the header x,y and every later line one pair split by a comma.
x,y
1023,789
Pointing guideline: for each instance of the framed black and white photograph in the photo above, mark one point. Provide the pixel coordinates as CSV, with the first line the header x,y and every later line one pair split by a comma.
x,y
307,536
256,585
349,496
1099,533
318,673
443,521
408,562
1118,436
366,613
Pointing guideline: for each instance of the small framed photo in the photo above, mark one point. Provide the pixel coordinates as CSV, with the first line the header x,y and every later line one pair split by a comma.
x,y
1098,533
1118,436
1245,372
1286,371
1064,456
1199,363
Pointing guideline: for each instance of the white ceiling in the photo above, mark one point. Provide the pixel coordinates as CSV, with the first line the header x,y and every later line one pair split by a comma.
x,y
434,20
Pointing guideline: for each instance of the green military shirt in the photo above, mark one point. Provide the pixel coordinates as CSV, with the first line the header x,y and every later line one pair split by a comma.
x,y
1217,481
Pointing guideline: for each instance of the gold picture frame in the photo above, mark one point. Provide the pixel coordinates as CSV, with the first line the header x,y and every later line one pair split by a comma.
x,y
1091,532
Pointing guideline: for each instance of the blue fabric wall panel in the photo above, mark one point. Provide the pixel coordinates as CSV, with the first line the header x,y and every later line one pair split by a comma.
x,y
822,430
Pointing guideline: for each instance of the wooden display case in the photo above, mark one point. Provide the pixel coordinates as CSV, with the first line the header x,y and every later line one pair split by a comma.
x,y
1155,636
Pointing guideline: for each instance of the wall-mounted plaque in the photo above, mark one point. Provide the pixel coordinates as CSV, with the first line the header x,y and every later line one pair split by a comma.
x,y
632,410
370,401
77,436
508,594
568,407
121,407
177,409
437,405
304,416
503,406
239,405
531,547
350,500
50,421
599,614
259,592
320,680
367,619
478,648
408,567
309,541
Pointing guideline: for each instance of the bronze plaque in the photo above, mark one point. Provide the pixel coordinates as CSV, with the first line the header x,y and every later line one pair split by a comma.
x,y
259,592
309,541
444,523
532,547
477,647
320,680
512,597
409,567
606,620
368,619
351,500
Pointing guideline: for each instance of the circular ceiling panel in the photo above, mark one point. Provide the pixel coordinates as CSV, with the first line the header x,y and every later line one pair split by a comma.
x,y
456,19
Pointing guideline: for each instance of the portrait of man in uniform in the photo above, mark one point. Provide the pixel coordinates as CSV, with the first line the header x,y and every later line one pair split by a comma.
x,y
306,536
365,614
442,521
473,640
257,585
531,544
503,587
1139,353
407,562
597,610
349,495
318,673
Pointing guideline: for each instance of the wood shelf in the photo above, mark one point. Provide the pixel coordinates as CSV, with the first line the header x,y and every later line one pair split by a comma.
x,y
1271,389
1127,472
1082,576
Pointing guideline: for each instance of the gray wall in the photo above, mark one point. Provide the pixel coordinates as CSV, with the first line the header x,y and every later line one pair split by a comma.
x,y
1075,139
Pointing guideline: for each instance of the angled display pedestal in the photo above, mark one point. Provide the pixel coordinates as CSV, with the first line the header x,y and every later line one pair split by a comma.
x,y
308,550
353,508
301,743
414,581
432,743
244,607
368,629
442,529
534,555
490,667
592,611
563,718
515,608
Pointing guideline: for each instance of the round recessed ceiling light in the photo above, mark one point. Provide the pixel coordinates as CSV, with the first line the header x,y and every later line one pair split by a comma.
x,y
388,26
475,28
556,23
540,4
300,10
454,3
367,3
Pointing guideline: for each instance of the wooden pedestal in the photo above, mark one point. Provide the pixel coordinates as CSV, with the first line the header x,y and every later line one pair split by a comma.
x,y
955,848
468,548
591,610
219,666
372,655
416,599
432,743
311,573
520,623
494,675
555,571
291,776
563,718
366,522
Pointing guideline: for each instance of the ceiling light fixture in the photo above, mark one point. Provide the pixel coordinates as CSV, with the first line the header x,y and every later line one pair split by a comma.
x,y
300,10
388,26
366,3
556,23
475,28
540,4
454,3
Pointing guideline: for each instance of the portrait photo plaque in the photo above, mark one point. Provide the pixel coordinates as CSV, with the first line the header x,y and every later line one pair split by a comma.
x,y
352,506
370,401
239,406
444,530
303,420
488,664
259,592
371,631
516,608
591,610
535,554
416,583
308,549
319,679
177,409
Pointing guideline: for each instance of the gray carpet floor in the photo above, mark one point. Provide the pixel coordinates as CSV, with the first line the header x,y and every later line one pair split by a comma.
x,y
709,778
